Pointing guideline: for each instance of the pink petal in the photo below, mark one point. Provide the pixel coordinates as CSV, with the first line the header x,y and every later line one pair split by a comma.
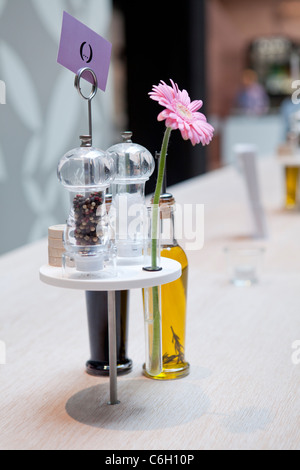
x,y
162,116
184,134
195,105
172,124
184,98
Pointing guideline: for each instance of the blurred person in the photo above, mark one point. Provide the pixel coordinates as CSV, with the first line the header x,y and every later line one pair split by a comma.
x,y
252,98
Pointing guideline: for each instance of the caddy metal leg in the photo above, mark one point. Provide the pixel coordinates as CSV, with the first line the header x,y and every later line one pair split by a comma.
x,y
112,332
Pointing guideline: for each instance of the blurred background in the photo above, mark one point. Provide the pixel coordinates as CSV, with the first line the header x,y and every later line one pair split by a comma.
x,y
239,57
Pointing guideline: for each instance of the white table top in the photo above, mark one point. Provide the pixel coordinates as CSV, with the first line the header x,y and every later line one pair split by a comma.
x,y
243,391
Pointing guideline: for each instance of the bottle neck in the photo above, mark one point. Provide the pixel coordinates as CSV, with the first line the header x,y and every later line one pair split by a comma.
x,y
168,227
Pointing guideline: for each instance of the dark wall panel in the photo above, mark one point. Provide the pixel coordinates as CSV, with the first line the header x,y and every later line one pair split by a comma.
x,y
164,39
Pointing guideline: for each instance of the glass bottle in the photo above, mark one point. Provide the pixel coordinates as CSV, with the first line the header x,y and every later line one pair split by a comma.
x,y
292,186
96,303
173,299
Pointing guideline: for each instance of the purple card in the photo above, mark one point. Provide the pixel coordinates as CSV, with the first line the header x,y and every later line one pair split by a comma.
x,y
81,47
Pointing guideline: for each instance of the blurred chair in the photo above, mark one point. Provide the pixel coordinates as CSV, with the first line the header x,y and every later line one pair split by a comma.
x,y
263,131
246,157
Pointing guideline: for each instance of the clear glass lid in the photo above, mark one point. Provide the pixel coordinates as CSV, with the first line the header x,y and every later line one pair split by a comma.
x,y
86,168
133,162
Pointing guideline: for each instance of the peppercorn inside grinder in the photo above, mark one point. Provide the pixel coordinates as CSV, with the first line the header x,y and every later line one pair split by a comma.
x,y
87,172
134,165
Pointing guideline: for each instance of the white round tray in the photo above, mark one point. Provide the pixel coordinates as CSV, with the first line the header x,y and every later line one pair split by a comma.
x,y
127,277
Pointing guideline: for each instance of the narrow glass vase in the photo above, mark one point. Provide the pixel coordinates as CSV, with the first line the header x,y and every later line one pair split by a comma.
x,y
152,296
153,338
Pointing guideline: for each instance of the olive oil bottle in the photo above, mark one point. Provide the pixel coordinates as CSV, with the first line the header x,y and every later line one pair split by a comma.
x,y
292,181
173,299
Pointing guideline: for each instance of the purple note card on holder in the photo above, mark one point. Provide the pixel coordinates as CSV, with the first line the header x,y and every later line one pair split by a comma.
x,y
81,47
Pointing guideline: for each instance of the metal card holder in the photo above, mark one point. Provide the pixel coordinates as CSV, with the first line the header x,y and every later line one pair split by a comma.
x,y
89,98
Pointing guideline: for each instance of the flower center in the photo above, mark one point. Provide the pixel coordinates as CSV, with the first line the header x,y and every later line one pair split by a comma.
x,y
183,111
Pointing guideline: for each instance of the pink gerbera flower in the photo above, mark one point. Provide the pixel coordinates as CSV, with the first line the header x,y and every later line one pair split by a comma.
x,y
181,113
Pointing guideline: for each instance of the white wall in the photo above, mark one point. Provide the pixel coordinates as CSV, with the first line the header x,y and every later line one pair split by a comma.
x,y
43,115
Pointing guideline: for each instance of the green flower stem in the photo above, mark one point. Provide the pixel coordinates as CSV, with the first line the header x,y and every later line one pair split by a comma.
x,y
156,344
157,194
155,362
